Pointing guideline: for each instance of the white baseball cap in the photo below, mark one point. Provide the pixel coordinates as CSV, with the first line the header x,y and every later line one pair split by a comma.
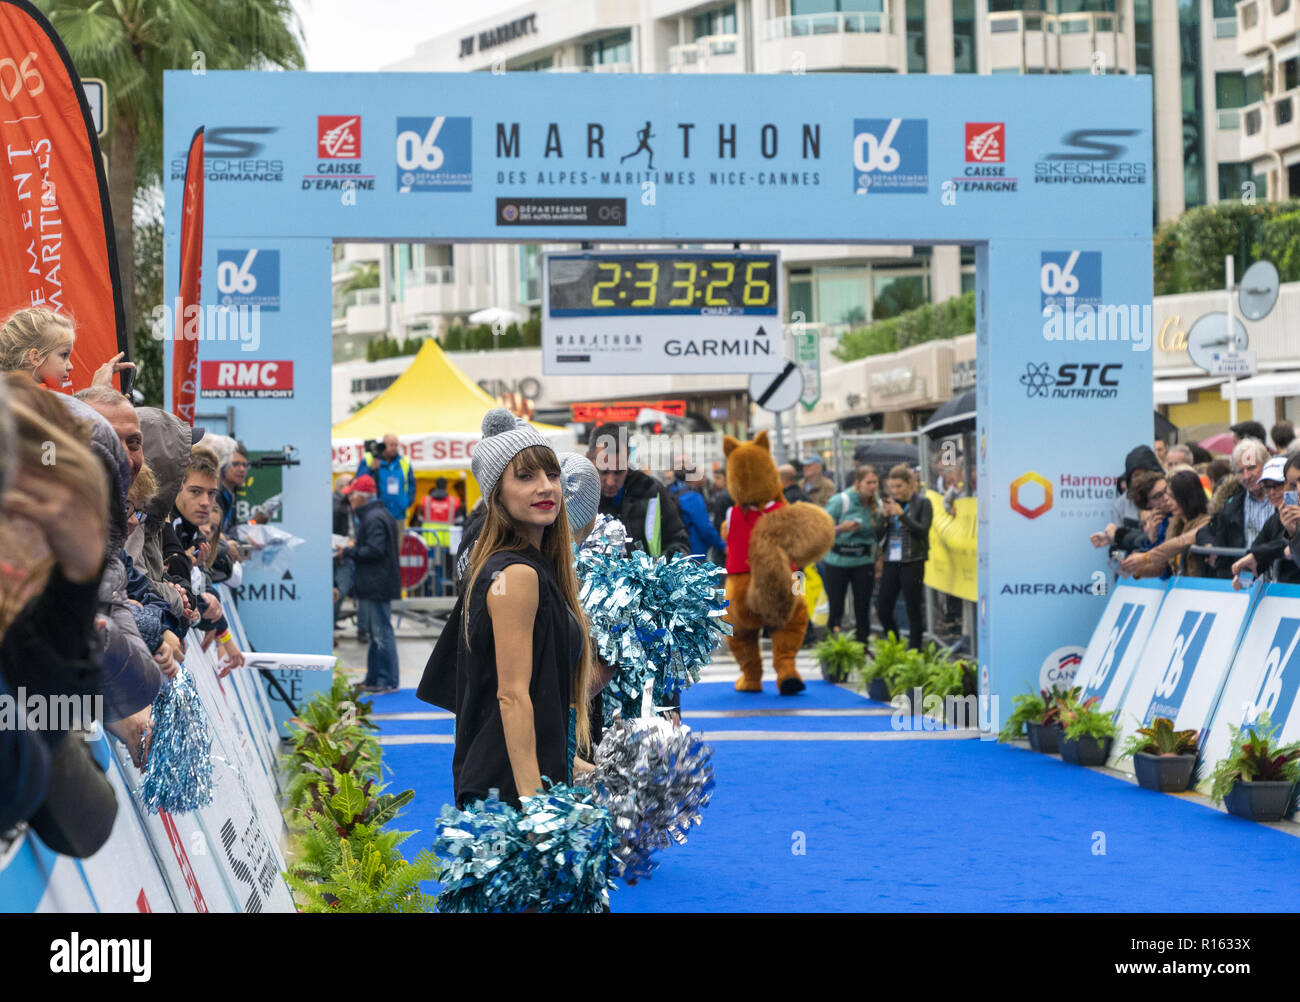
x,y
1274,470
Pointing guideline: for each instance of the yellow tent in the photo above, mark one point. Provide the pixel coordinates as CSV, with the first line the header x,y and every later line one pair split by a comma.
x,y
435,411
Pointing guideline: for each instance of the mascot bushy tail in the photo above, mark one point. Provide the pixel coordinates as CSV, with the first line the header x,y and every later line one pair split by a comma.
x,y
768,541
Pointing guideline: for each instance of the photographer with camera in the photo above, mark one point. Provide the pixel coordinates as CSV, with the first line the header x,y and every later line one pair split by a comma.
x,y
392,474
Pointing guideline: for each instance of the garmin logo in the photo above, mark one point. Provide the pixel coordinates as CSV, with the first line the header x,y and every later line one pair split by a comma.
x,y
717,347
102,956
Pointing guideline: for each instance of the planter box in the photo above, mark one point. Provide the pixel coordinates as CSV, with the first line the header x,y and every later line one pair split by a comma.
x,y
1044,739
1164,773
1264,801
1086,751
878,690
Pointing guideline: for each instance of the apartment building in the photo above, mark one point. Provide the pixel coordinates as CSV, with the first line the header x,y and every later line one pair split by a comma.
x,y
1191,48
1268,39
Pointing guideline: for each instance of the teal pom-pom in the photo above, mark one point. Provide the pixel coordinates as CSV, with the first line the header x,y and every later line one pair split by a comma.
x,y
178,774
651,618
555,855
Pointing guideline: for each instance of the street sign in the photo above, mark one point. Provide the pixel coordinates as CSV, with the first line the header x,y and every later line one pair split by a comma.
x,y
95,94
413,559
777,391
1257,294
1234,362
1209,337
807,352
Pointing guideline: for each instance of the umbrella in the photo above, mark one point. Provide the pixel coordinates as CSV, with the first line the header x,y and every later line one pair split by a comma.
x,y
885,452
495,315
1220,444
958,414
1165,428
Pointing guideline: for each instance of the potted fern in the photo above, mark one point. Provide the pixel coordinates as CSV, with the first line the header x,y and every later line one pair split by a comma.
x,y
1163,758
1257,780
877,674
1087,732
1026,709
840,656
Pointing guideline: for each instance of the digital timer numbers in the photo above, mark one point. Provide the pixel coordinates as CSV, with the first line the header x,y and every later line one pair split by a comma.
x,y
694,283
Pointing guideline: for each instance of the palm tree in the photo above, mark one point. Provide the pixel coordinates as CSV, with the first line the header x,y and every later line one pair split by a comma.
x,y
128,44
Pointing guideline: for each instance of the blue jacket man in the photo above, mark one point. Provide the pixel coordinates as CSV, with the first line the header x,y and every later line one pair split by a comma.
x,y
393,476
695,514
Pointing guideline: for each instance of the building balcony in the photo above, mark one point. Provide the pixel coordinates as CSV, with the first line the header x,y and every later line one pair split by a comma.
x,y
1254,131
431,290
1281,19
1284,132
708,54
362,312
359,253
597,68
1021,41
1250,26
833,41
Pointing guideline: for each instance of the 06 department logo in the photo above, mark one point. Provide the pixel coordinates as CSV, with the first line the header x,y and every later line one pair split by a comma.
x,y
434,154
1070,278
249,277
891,155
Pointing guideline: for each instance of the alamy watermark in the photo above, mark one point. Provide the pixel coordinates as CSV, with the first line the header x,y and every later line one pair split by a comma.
x,y
1089,322
208,323
41,712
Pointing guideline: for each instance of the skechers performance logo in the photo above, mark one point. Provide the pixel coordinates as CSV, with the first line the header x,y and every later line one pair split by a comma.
x,y
1091,156
102,956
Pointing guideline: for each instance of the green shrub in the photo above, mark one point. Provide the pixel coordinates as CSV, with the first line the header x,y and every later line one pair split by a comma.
x,y
842,655
930,322
1026,708
1160,738
1254,756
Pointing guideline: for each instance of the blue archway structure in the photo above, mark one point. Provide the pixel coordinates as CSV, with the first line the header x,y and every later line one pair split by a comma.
x,y
1050,178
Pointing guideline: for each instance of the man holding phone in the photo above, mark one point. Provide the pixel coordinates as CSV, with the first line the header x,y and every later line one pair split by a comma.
x,y
1271,550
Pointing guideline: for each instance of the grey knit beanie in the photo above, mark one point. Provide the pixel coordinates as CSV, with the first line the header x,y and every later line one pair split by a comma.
x,y
581,489
504,437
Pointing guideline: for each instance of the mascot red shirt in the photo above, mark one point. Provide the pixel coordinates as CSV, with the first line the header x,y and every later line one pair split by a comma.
x,y
767,540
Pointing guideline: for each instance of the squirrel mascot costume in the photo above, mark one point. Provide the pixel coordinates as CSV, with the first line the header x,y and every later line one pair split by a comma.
x,y
768,540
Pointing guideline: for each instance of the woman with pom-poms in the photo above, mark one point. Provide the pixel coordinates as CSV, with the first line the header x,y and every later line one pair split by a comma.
x,y
523,659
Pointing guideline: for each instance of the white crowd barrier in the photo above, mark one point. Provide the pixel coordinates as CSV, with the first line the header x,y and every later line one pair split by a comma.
x,y
225,857
1194,650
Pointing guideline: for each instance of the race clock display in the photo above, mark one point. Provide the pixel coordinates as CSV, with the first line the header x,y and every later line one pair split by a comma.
x,y
636,312
676,284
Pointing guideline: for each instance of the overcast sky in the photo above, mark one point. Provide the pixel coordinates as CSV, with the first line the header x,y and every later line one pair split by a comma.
x,y
359,36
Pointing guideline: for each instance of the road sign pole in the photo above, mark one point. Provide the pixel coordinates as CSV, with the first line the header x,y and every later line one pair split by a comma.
x,y
780,440
1232,326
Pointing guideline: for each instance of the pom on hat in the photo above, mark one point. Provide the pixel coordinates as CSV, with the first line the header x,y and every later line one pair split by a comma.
x,y
581,488
498,420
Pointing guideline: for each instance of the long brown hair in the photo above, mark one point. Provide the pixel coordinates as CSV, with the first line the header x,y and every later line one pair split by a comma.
x,y
501,534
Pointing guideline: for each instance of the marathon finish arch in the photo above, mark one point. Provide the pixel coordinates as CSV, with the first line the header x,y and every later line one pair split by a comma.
x,y
1049,177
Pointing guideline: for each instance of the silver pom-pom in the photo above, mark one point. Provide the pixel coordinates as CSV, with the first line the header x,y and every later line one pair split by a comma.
x,y
498,420
653,778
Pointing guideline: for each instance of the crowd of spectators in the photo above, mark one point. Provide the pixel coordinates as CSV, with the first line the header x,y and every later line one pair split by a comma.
x,y
1183,511
111,539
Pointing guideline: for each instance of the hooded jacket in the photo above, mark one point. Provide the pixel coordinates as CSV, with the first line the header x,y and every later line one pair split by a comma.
x,y
1227,526
131,678
166,445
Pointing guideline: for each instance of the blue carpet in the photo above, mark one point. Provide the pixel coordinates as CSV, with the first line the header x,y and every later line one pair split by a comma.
x,y
923,826
701,726
417,727
818,696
